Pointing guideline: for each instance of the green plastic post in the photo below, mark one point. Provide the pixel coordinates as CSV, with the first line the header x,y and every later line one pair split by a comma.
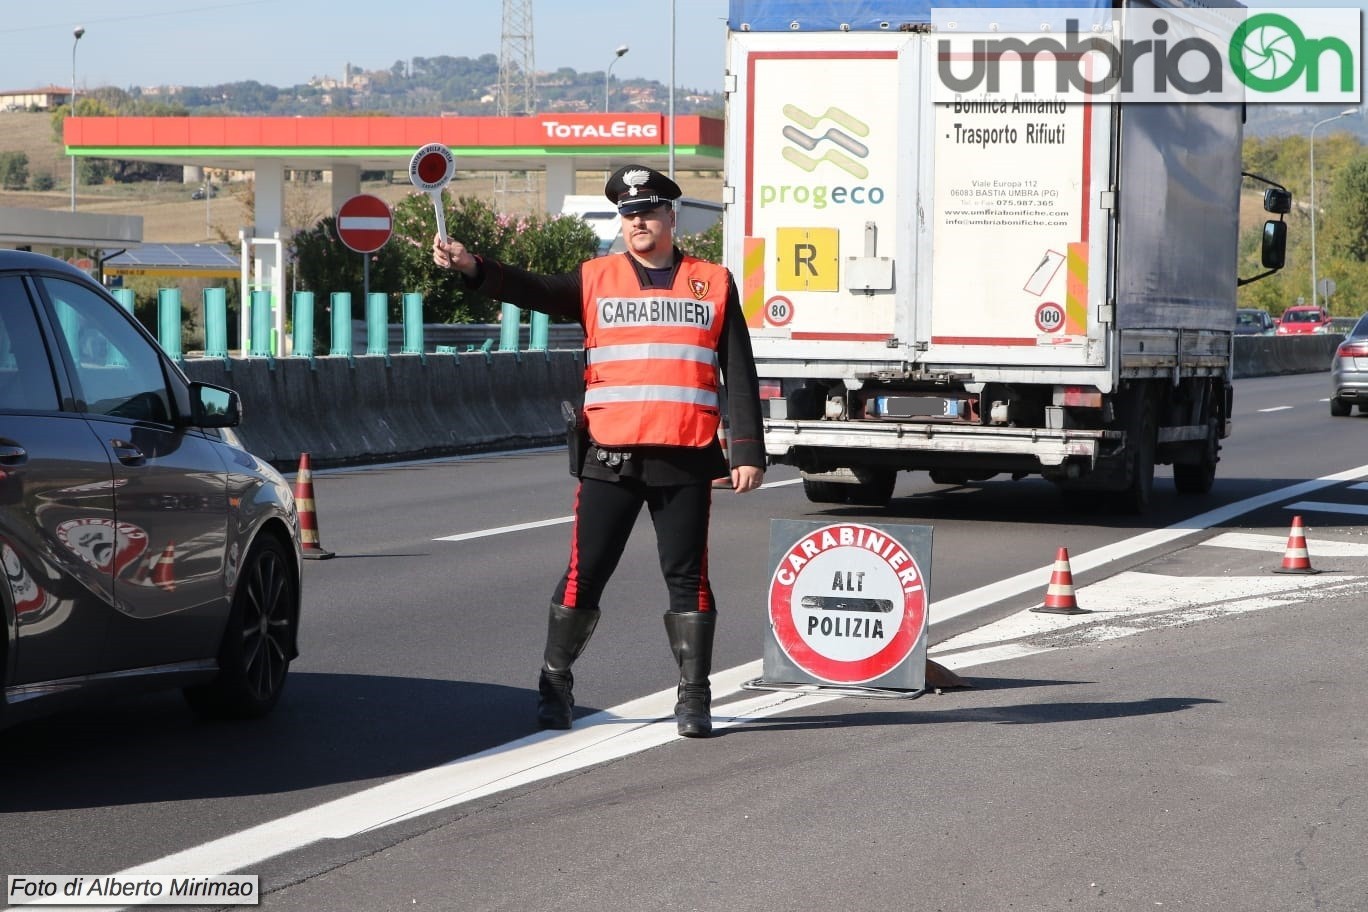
x,y
377,325
215,323
303,311
125,297
169,321
341,324
510,319
261,325
539,335
413,323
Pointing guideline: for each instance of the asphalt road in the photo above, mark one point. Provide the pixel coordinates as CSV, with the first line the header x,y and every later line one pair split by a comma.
x,y
1209,758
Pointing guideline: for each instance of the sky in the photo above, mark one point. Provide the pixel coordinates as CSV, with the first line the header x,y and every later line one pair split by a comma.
x,y
287,42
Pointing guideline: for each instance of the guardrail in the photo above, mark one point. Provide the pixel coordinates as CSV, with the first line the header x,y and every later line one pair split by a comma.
x,y
386,407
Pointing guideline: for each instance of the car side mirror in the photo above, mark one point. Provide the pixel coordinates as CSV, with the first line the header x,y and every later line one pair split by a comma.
x,y
214,406
1274,251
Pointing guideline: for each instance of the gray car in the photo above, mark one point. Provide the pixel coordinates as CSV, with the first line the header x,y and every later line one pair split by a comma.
x,y
1349,372
1253,322
142,547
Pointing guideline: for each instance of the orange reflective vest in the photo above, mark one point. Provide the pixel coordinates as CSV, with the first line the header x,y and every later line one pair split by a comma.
x,y
650,374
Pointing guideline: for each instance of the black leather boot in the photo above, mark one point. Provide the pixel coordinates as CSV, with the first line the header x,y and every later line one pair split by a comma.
x,y
567,632
691,641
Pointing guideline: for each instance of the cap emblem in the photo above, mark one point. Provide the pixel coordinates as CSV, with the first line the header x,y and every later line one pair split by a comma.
x,y
635,179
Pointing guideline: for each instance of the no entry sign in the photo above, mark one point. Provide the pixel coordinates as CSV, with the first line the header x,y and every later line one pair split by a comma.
x,y
364,223
847,604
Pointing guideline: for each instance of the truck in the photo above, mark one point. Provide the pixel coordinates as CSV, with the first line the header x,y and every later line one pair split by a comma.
x,y
692,216
978,285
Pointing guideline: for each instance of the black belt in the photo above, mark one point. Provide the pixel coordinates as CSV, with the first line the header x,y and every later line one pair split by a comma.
x,y
611,458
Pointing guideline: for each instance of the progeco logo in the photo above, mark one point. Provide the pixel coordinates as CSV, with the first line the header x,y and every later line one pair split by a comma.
x,y
834,144
841,145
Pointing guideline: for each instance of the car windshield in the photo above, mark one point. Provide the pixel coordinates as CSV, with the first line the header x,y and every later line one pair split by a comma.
x,y
1361,327
1247,318
1302,316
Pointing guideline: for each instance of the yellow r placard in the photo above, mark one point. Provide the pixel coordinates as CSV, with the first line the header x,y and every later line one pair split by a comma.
x,y
807,259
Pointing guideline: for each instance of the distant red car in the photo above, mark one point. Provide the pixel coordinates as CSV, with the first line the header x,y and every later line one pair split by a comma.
x,y
1303,319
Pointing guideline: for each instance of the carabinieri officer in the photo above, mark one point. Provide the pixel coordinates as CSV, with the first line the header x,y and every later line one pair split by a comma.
x,y
657,326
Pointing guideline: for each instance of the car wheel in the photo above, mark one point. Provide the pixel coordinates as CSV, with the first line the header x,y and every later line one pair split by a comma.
x,y
1339,407
258,642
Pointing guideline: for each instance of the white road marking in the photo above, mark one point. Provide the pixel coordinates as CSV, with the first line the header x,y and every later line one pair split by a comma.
x,y
559,520
647,722
1322,507
1133,601
953,607
1277,408
504,530
1249,541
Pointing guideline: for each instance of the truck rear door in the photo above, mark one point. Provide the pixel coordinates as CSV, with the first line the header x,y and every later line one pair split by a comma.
x,y
872,225
822,139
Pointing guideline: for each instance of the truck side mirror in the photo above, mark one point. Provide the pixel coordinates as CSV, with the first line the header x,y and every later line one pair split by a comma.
x,y
1277,200
1273,254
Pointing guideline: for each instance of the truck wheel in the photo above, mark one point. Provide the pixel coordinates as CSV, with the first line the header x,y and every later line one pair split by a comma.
x,y
1339,407
875,491
1197,477
1138,493
824,492
1194,478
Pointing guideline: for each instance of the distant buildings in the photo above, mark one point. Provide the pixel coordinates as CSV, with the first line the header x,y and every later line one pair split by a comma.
x,y
48,98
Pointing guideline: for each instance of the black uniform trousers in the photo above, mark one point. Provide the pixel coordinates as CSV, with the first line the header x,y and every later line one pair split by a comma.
x,y
606,511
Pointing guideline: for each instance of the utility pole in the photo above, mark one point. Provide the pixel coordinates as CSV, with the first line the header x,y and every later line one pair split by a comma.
x,y
517,96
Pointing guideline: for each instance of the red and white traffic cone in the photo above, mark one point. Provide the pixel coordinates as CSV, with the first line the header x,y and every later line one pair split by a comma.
x,y
309,545
162,573
1059,595
1295,557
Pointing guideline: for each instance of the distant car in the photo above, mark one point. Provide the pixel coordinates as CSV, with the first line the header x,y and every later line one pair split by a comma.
x,y
1302,319
199,192
141,546
1251,322
1349,372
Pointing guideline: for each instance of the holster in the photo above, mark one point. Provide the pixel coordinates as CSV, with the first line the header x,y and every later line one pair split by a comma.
x,y
576,438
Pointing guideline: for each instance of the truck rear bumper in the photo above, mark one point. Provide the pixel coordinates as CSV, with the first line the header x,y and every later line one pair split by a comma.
x,y
1050,447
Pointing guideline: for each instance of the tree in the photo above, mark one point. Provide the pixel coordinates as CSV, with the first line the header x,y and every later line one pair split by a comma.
x,y
13,170
1345,225
543,243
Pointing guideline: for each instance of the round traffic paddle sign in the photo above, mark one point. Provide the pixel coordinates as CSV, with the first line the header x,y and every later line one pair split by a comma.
x,y
364,223
432,167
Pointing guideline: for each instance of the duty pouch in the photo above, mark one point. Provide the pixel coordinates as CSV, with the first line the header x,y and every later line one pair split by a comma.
x,y
576,437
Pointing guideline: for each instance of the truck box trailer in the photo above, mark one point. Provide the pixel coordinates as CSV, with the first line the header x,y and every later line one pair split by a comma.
x,y
692,216
979,285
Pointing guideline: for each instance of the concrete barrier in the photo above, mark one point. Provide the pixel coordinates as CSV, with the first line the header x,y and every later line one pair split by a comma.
x,y
1266,356
376,408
